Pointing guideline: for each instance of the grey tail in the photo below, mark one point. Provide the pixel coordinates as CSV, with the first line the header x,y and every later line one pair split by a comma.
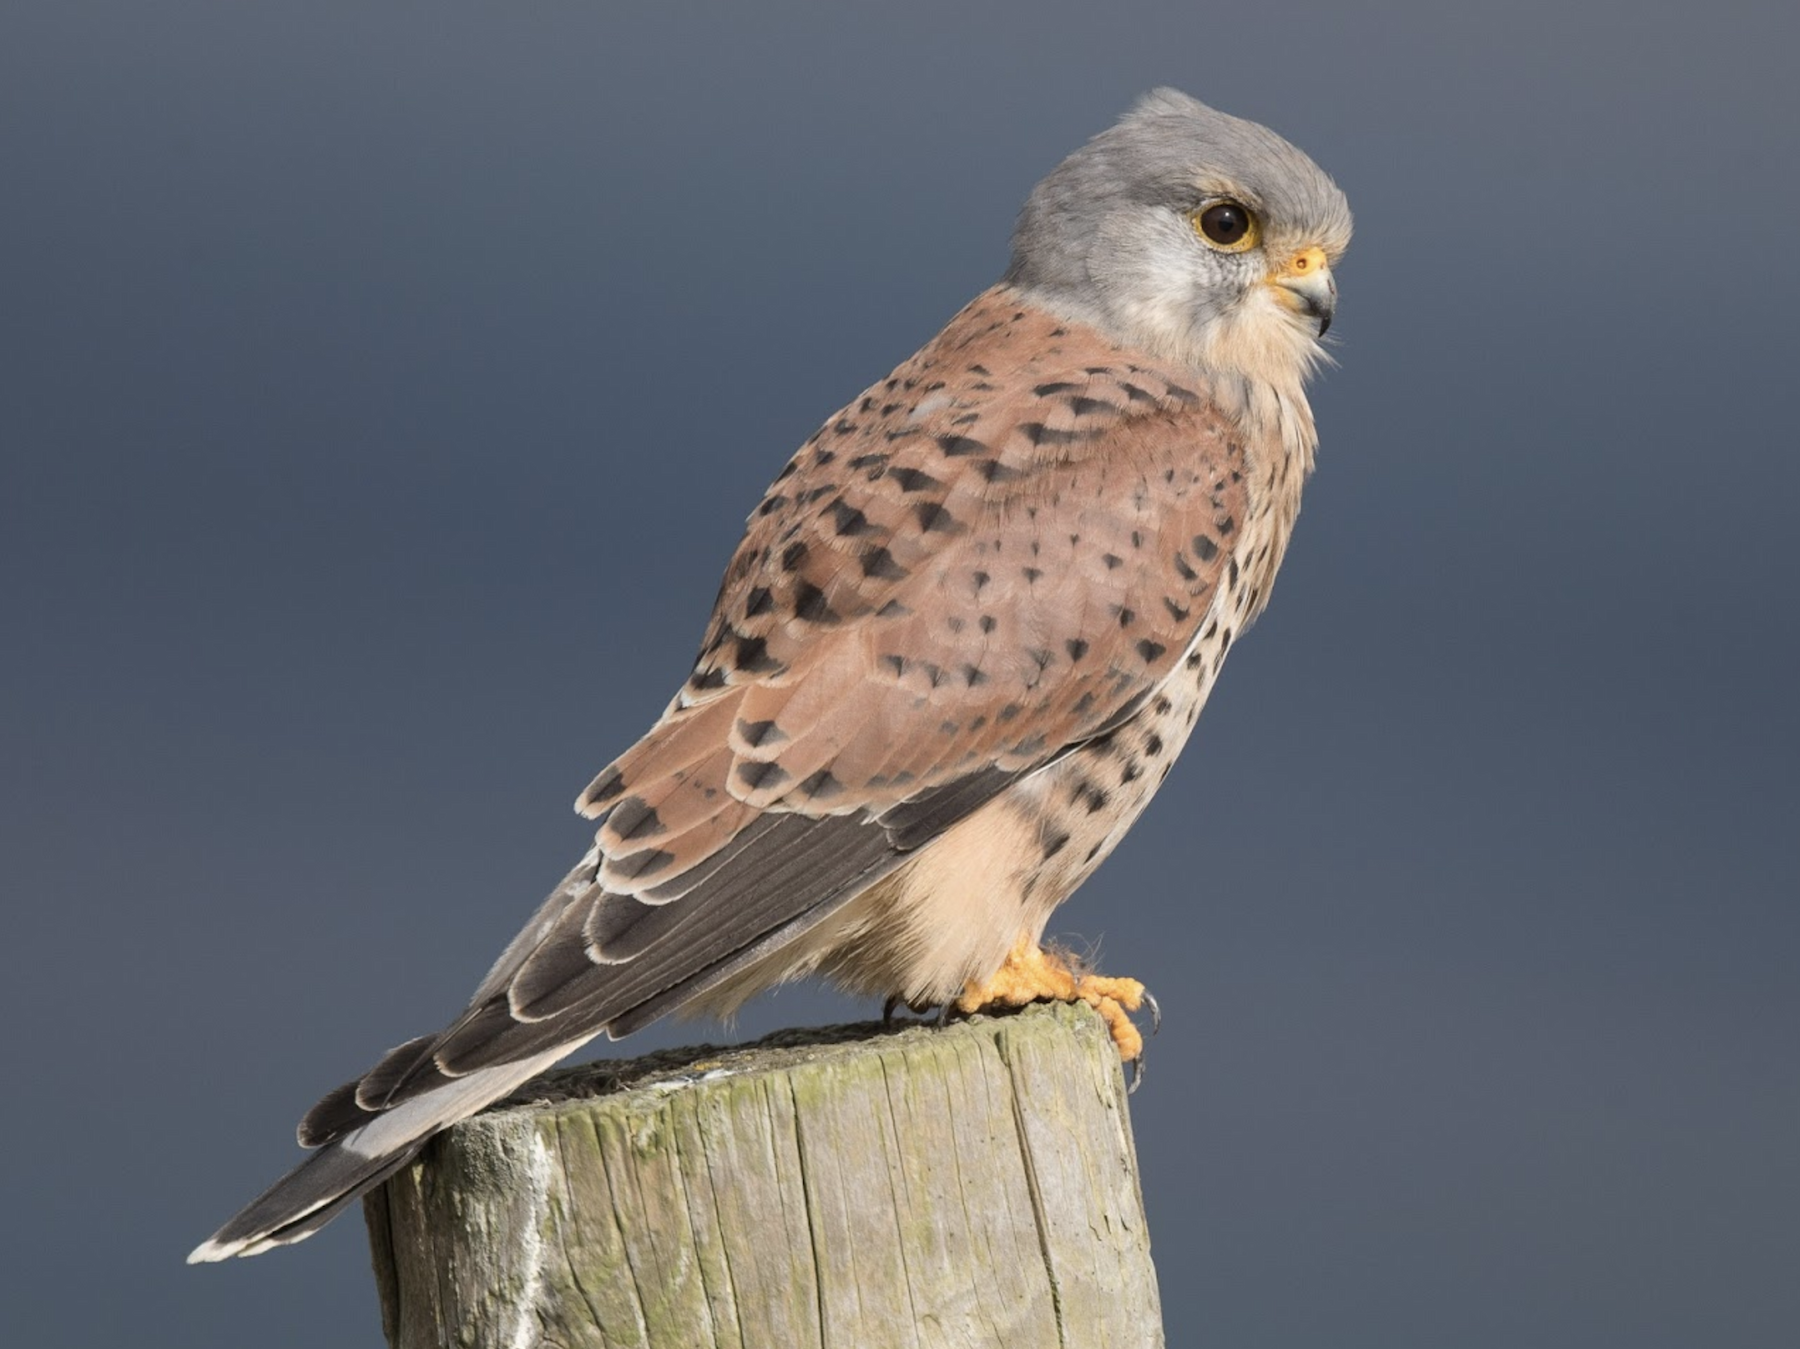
x,y
358,1159
303,1201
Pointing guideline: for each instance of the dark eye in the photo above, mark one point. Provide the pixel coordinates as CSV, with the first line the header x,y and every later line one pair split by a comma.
x,y
1226,225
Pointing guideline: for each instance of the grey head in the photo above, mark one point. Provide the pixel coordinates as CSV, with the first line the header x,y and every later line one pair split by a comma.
x,y
1193,234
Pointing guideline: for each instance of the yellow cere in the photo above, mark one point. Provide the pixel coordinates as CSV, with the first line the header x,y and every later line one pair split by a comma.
x,y
1307,262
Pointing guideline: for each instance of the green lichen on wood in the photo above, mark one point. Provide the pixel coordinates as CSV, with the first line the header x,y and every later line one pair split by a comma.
x,y
853,1188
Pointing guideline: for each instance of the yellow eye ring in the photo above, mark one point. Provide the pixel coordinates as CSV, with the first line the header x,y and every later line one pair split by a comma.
x,y
1228,226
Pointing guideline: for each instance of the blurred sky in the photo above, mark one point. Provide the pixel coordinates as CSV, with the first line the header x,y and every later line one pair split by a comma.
x,y
384,388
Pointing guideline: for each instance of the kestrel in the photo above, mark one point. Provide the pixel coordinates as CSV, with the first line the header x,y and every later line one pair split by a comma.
x,y
961,643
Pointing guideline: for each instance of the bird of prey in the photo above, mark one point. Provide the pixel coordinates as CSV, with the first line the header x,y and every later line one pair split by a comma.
x,y
964,637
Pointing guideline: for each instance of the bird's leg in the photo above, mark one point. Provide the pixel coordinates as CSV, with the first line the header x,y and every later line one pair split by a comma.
x,y
1031,973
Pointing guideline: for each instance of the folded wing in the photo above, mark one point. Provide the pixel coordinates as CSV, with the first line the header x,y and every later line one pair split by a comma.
x,y
992,557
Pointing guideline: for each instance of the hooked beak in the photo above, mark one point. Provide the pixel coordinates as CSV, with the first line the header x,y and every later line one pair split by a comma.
x,y
1305,285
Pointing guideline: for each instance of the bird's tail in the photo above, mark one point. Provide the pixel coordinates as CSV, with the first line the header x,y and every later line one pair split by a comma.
x,y
314,1193
302,1201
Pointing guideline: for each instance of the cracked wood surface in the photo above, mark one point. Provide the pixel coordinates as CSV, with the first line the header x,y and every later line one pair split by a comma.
x,y
856,1188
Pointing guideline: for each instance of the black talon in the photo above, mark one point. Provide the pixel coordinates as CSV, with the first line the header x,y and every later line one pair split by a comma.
x,y
1155,1013
888,1009
1137,1076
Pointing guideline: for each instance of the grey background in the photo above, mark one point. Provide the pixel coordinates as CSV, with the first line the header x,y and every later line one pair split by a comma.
x,y
381,391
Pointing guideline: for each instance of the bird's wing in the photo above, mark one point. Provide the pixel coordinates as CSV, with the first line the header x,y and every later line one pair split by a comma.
x,y
998,553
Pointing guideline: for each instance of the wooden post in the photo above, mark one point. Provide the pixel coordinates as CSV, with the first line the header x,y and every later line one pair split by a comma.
x,y
973,1185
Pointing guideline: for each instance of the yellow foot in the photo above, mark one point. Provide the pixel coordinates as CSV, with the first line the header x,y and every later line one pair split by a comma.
x,y
1031,973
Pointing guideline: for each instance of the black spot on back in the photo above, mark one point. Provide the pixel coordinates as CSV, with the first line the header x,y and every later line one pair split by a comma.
x,y
754,733
753,656
631,819
913,479
811,606
605,788
880,563
756,776
849,520
1039,434
934,518
821,786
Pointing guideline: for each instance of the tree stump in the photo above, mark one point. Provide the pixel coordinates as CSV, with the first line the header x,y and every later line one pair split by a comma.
x,y
973,1185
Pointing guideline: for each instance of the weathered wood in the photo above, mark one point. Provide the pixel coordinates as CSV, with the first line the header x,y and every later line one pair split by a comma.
x,y
971,1186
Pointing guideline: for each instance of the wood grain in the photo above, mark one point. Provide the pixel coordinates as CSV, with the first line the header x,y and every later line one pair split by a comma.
x,y
964,1187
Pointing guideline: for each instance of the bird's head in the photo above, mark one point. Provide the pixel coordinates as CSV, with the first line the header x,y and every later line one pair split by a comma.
x,y
1196,235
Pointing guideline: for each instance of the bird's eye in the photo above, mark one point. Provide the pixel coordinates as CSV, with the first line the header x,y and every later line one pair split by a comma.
x,y
1226,226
